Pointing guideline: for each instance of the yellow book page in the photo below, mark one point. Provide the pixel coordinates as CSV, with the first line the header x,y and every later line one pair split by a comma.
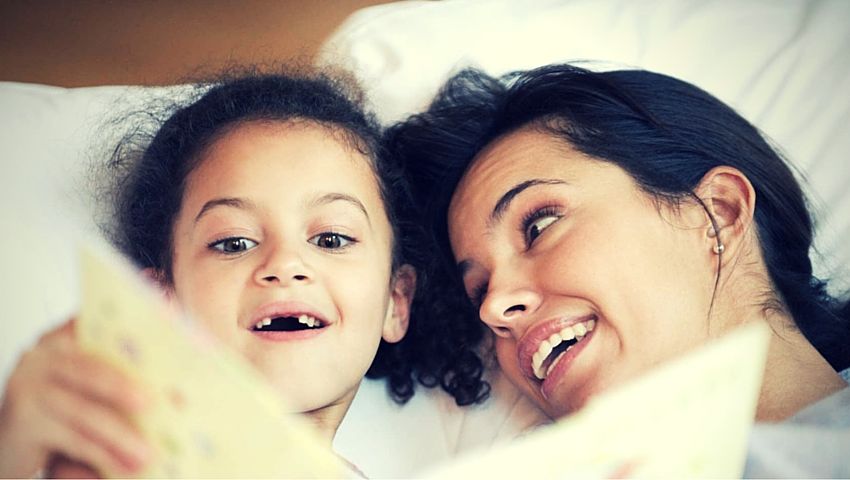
x,y
688,418
212,415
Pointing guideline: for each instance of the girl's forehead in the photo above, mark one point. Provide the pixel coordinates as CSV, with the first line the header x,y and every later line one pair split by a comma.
x,y
294,129
284,160
285,146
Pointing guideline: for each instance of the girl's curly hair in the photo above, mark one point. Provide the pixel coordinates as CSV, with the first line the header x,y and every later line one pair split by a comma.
x,y
148,169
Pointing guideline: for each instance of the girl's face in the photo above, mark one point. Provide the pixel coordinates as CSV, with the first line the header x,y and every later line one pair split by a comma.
x,y
585,280
282,248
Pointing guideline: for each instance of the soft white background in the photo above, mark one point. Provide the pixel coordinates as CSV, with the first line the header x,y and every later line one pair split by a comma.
x,y
785,65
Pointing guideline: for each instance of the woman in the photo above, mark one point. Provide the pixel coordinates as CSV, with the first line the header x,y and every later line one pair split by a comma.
x,y
602,223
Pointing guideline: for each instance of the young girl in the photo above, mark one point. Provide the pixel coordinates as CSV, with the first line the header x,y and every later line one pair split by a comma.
x,y
266,211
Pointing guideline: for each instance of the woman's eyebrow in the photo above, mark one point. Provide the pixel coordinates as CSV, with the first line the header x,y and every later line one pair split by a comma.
x,y
505,200
337,197
234,202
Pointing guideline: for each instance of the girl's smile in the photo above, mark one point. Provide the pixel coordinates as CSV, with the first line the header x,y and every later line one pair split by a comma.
x,y
287,321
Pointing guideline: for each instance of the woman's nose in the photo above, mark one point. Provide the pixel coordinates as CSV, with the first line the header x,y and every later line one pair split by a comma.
x,y
505,306
283,266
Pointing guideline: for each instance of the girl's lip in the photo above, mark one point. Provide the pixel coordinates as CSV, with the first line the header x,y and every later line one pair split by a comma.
x,y
530,341
287,336
285,309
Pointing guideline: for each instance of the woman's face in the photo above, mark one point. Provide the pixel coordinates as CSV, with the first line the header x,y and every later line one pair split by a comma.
x,y
584,278
282,248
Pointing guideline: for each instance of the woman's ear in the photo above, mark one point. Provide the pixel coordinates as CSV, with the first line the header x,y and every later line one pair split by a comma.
x,y
401,296
730,200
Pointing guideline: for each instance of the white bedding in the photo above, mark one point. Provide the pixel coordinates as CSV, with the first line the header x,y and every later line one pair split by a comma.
x,y
784,65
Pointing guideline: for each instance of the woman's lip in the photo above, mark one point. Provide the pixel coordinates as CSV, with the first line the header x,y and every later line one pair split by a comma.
x,y
530,342
285,309
557,373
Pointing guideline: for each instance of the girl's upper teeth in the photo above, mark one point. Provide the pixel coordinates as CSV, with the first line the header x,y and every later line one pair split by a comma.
x,y
307,320
577,331
311,322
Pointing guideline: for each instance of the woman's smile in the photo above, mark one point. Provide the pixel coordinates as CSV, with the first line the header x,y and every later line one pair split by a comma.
x,y
547,344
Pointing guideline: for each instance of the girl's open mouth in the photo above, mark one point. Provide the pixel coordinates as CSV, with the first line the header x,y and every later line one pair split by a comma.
x,y
288,324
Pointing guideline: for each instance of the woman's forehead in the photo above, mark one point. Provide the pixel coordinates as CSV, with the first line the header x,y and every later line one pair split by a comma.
x,y
520,155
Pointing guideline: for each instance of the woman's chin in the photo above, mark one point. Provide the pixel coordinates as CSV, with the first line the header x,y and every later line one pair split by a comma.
x,y
564,400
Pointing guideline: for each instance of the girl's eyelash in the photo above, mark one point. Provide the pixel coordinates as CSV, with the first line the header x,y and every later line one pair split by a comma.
x,y
346,242
243,243
536,214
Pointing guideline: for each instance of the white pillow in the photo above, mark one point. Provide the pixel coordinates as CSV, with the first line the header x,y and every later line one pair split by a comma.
x,y
785,66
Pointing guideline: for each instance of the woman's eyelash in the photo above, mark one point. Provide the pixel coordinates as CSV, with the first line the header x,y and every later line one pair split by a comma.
x,y
530,228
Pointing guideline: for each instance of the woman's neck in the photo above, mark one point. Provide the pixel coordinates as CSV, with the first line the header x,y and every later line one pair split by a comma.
x,y
795,376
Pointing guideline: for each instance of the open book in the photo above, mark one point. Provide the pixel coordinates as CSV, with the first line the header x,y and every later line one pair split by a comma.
x,y
688,418
214,416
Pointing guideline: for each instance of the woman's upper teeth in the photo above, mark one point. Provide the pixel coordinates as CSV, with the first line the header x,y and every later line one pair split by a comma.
x,y
577,332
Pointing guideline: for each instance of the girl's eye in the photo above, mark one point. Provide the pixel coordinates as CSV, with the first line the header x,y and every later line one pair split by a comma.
x,y
537,221
331,241
233,245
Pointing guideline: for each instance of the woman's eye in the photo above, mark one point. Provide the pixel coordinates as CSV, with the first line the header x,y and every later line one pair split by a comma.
x,y
331,241
233,245
537,222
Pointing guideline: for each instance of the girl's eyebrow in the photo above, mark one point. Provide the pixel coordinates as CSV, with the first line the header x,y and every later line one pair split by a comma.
x,y
243,204
336,197
234,202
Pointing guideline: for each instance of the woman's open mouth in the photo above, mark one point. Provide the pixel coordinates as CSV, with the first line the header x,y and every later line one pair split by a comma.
x,y
555,348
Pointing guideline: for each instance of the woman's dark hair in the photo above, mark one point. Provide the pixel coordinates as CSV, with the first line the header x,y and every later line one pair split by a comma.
x,y
666,133
148,172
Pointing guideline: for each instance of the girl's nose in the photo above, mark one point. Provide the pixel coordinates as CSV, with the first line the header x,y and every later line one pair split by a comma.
x,y
283,266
